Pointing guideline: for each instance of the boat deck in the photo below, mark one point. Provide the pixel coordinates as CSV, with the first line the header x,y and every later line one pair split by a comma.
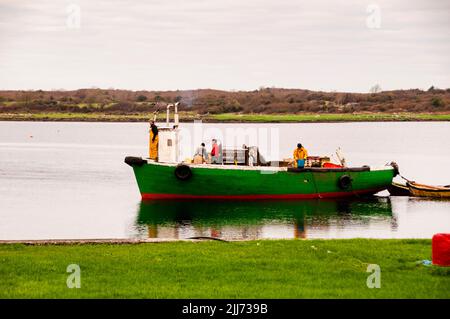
x,y
274,168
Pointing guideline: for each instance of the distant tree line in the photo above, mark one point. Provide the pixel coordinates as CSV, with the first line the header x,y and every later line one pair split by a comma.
x,y
208,101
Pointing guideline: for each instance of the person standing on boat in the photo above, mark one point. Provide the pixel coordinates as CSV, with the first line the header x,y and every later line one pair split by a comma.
x,y
154,138
201,155
300,155
215,152
252,153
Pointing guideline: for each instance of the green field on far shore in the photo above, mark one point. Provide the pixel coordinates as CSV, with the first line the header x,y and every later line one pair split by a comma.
x,y
229,117
250,269
363,117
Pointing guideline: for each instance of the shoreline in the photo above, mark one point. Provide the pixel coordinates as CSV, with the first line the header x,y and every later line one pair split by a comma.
x,y
106,241
138,241
229,117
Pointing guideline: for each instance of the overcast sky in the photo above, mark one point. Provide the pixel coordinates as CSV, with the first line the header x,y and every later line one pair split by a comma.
x,y
346,45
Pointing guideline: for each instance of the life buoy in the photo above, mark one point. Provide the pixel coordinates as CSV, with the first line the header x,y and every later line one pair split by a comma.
x,y
345,182
183,172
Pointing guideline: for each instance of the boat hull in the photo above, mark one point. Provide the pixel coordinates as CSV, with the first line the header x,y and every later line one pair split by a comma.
x,y
158,181
396,189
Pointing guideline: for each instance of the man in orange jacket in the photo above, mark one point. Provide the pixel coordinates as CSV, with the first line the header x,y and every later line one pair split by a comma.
x,y
300,154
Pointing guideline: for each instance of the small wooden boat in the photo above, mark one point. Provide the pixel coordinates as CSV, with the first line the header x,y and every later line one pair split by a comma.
x,y
421,190
397,189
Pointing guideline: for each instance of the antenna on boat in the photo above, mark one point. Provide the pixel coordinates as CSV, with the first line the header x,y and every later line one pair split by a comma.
x,y
155,113
340,157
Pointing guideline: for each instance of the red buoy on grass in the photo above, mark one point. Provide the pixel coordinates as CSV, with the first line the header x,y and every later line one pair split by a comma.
x,y
441,249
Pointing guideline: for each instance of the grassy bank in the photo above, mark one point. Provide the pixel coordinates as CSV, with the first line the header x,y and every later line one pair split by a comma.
x,y
363,117
254,269
228,117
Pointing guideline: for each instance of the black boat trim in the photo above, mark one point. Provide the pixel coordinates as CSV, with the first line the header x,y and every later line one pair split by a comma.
x,y
135,161
322,170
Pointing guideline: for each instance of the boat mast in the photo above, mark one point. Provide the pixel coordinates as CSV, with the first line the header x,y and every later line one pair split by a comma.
x,y
175,117
168,114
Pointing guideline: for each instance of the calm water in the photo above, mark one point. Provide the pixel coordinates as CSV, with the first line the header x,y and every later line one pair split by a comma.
x,y
68,180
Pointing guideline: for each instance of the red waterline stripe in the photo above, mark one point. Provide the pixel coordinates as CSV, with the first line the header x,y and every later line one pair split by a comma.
x,y
261,196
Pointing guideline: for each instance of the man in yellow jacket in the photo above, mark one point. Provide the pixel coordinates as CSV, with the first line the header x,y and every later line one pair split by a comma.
x,y
300,154
154,139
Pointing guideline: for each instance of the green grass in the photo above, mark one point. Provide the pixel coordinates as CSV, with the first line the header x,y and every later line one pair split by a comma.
x,y
369,117
253,269
227,117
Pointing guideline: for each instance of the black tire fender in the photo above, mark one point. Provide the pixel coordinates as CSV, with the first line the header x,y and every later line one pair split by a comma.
x,y
183,172
344,182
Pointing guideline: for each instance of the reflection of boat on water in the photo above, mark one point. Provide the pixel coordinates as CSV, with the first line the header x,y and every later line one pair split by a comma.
x,y
252,219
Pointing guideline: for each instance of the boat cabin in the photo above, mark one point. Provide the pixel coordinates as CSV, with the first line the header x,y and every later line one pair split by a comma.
x,y
169,149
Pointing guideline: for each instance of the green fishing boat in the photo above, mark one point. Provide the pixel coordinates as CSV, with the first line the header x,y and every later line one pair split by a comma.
x,y
169,178
164,181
